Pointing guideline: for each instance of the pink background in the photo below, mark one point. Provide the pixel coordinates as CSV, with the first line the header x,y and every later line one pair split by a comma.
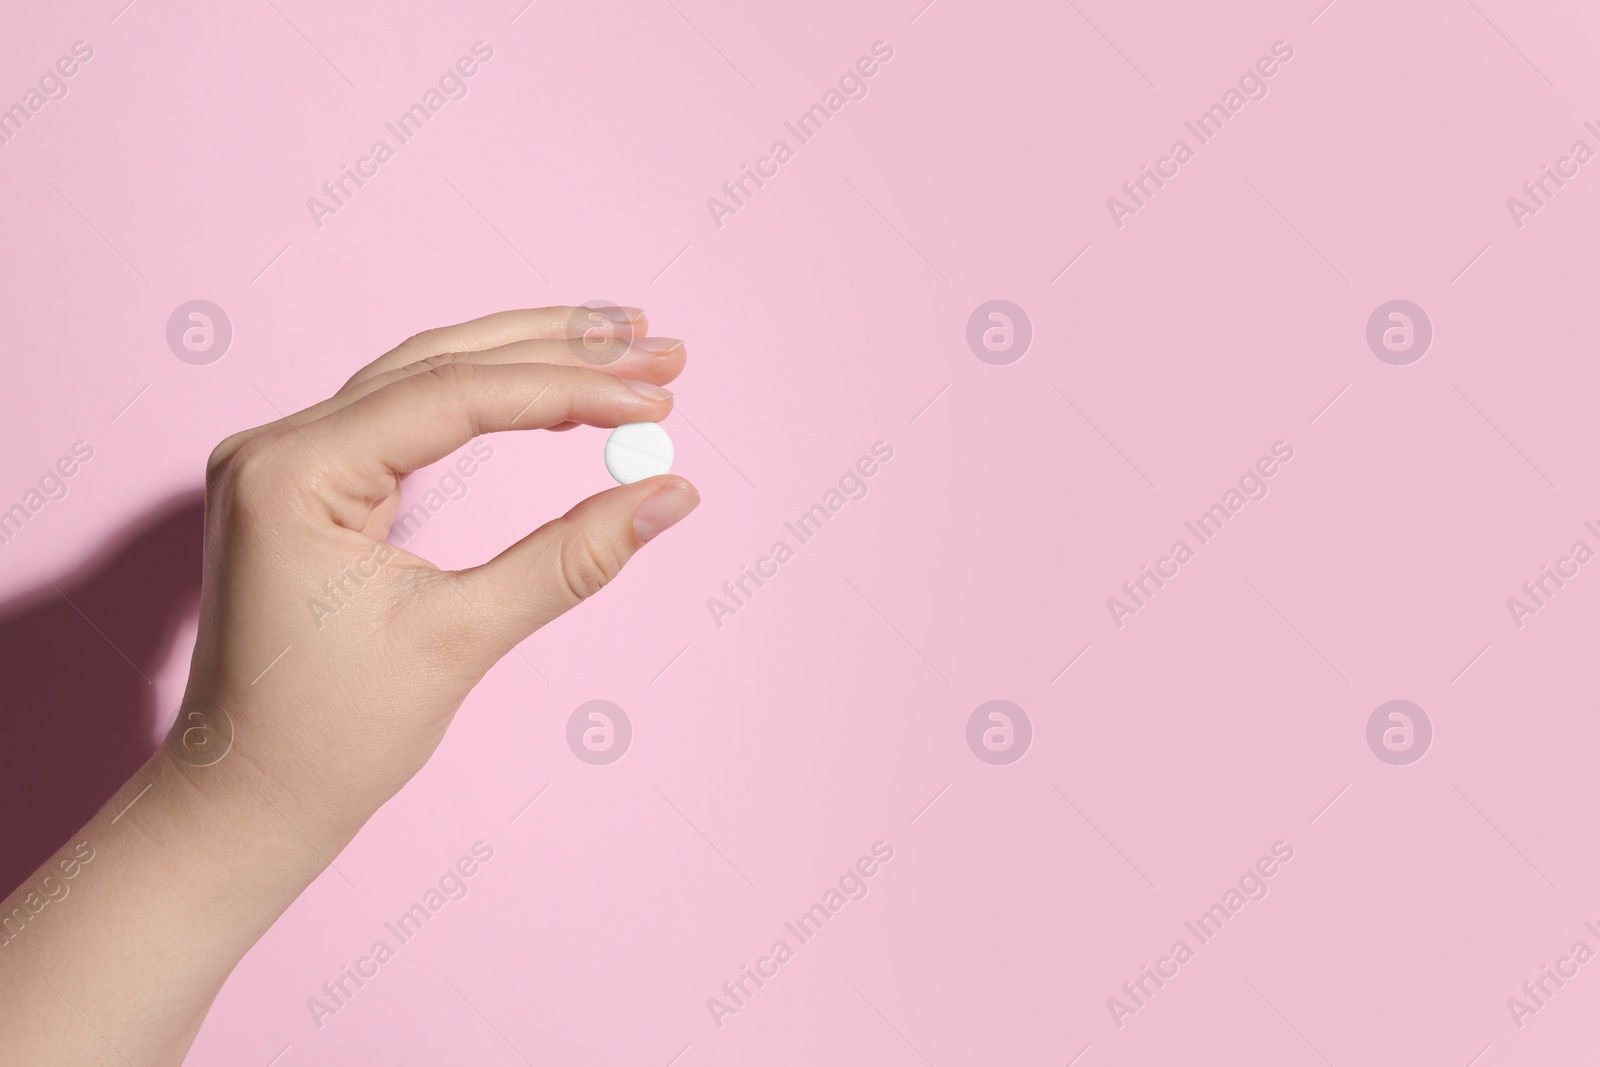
x,y
823,317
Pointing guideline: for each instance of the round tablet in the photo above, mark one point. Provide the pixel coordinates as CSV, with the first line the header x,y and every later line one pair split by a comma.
x,y
638,450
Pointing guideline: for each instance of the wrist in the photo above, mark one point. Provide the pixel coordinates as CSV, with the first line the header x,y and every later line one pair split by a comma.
x,y
277,754
247,801
218,824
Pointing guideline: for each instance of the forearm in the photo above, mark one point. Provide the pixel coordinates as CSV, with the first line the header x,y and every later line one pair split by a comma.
x,y
170,884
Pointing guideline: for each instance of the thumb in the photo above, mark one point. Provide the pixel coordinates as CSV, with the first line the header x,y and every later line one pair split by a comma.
x,y
568,560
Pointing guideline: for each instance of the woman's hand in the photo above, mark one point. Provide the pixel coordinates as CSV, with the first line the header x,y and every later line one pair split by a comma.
x,y
327,668
372,649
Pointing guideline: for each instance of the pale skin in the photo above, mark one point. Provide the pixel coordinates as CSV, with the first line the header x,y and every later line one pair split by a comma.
x,y
123,965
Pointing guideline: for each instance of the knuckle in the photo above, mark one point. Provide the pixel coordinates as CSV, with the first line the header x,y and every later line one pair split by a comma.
x,y
437,360
588,562
443,370
255,465
222,455
253,470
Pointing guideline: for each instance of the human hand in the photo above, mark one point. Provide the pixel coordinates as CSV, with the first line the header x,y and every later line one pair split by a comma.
x,y
329,663
299,721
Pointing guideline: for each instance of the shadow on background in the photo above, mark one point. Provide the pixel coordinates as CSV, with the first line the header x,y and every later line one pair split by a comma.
x,y
77,707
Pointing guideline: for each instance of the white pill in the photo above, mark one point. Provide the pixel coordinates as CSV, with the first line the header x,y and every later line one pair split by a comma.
x,y
638,450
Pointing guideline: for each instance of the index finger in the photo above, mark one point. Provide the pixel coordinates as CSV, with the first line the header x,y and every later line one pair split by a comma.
x,y
420,419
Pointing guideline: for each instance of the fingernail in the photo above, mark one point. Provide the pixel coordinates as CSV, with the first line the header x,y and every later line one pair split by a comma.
x,y
646,390
664,508
658,345
633,313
